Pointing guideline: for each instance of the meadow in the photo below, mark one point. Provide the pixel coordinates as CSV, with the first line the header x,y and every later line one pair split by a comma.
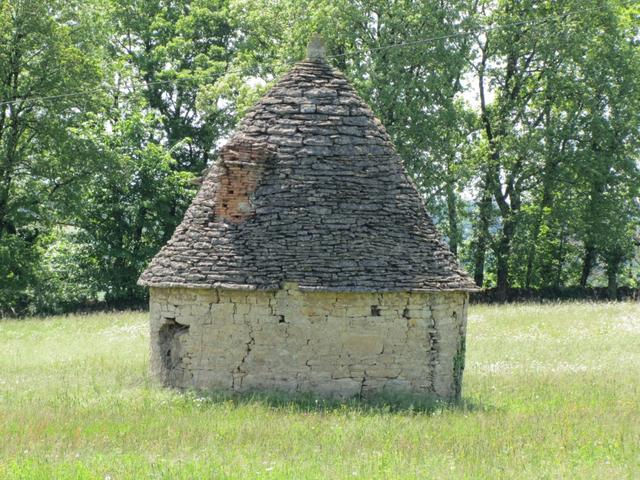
x,y
550,391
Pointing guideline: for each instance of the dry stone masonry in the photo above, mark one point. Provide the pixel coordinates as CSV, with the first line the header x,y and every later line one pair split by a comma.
x,y
307,261
334,343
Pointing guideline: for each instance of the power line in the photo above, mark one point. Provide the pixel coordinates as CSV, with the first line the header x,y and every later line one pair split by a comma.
x,y
145,84
288,63
423,41
102,89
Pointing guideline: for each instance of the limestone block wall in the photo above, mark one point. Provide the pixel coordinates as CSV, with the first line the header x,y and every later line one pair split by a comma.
x,y
330,343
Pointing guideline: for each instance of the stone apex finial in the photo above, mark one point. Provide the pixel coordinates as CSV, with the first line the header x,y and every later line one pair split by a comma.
x,y
316,49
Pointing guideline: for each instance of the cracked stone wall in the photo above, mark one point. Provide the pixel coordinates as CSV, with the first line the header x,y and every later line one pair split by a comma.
x,y
331,343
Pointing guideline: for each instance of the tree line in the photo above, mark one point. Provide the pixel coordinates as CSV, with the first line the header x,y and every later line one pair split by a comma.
x,y
519,120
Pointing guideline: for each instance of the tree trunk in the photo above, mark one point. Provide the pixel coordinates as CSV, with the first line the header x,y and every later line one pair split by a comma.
x,y
503,251
453,219
612,280
549,174
482,237
587,263
560,258
502,274
482,230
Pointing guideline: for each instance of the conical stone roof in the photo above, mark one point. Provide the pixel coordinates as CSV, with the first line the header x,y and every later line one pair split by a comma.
x,y
309,190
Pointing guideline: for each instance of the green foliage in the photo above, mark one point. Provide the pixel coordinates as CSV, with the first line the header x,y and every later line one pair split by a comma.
x,y
522,138
18,260
173,49
561,131
61,280
130,206
42,54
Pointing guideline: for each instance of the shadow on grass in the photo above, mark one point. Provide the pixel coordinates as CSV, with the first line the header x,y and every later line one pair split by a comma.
x,y
405,403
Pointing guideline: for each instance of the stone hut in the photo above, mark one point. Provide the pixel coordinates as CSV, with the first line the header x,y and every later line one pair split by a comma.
x,y
307,261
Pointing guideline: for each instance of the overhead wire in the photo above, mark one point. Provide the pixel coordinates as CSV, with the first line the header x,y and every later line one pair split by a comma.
x,y
423,41
428,40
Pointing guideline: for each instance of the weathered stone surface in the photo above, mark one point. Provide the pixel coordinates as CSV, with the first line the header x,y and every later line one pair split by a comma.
x,y
308,190
300,342
361,345
307,261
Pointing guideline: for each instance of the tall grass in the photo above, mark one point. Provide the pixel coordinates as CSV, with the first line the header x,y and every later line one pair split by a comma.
x,y
550,391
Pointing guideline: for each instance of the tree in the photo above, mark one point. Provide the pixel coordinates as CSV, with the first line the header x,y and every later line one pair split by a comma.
x,y
532,111
170,50
43,58
109,108
130,205
608,147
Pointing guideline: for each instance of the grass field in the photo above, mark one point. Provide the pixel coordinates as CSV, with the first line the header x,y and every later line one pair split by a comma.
x,y
549,392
